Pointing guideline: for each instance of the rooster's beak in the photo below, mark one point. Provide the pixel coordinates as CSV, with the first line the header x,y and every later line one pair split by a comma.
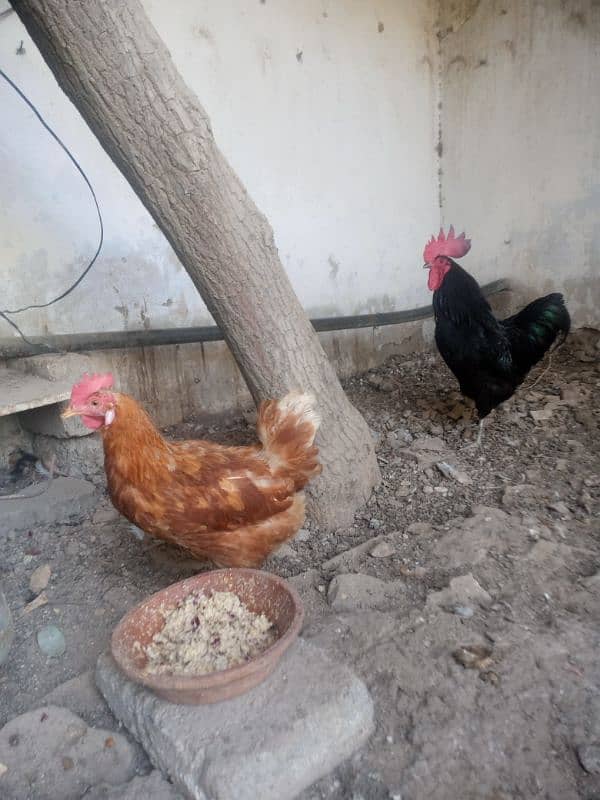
x,y
426,266
69,412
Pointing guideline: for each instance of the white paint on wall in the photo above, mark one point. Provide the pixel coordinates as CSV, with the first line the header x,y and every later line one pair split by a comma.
x,y
325,108
521,143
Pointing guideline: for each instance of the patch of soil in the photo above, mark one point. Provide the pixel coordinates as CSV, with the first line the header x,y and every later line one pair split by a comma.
x,y
466,594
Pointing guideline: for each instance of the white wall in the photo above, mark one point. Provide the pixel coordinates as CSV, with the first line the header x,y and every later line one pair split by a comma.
x,y
521,142
336,146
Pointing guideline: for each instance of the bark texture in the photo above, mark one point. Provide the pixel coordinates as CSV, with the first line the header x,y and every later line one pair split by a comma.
x,y
111,63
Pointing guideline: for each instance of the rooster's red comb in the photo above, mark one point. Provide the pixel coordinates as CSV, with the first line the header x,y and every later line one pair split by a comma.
x,y
88,385
450,245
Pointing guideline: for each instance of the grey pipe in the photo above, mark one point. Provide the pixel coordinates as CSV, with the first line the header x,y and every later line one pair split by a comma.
x,y
110,340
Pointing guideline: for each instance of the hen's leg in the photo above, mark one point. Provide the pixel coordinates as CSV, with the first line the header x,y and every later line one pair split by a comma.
x,y
137,532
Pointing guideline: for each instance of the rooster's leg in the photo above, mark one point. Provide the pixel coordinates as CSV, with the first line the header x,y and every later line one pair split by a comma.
x,y
477,443
479,433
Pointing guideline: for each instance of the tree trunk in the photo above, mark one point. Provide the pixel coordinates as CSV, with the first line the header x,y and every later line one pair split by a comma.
x,y
110,62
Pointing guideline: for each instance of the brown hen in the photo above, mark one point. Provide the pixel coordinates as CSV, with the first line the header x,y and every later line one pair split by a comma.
x,y
231,505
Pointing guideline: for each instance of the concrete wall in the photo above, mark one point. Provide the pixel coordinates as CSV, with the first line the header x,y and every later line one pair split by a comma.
x,y
324,107
521,142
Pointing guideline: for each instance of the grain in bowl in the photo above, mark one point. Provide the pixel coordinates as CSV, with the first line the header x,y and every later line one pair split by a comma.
x,y
207,633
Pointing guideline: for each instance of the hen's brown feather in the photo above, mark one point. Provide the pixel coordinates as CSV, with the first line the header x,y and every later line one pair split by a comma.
x,y
233,505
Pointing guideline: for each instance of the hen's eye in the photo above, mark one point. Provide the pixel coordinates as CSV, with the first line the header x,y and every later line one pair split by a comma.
x,y
94,402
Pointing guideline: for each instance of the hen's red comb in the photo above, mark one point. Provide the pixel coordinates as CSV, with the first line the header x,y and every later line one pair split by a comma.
x,y
451,246
88,385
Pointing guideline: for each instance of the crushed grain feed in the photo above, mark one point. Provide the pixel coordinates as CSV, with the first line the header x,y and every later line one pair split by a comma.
x,y
206,634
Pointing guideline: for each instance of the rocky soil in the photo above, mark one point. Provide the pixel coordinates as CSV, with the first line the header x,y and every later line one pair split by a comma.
x,y
466,595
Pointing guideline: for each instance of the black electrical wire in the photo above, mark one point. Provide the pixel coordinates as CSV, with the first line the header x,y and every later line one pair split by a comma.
x,y
5,311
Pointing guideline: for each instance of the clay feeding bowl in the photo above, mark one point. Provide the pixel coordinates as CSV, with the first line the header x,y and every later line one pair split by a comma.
x,y
261,592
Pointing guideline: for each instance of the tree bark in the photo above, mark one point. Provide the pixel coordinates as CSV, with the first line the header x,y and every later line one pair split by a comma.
x,y
113,66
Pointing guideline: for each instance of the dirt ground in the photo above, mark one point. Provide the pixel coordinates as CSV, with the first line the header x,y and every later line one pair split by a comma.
x,y
466,595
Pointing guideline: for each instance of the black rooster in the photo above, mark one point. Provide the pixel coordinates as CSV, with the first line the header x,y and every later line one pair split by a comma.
x,y
489,357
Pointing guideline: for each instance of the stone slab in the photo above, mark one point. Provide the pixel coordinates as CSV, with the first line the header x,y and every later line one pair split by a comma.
x,y
271,743
20,391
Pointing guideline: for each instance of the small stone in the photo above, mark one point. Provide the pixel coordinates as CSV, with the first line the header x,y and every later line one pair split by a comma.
x,y
419,528
465,612
561,509
103,515
40,600
382,550
453,473
61,758
543,414
350,592
51,641
13,740
303,535
476,656
3,769
460,592
589,757
374,524
348,560
489,676
39,578
430,443
404,436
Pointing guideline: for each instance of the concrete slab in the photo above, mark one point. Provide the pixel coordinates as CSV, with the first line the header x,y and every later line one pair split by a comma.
x,y
20,391
271,743
63,498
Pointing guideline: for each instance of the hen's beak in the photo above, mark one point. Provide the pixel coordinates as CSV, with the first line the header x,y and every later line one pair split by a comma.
x,y
426,266
69,412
